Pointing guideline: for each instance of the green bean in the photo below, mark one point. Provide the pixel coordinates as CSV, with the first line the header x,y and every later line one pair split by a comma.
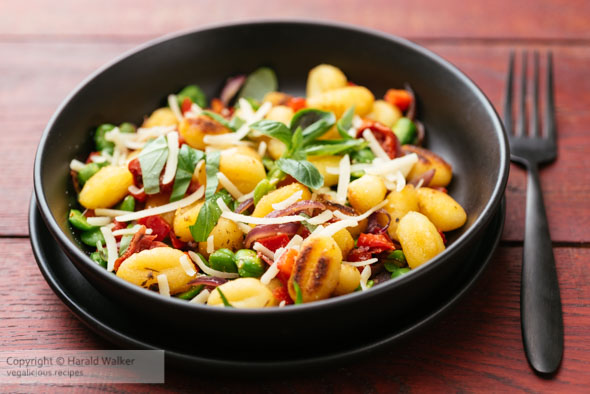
x,y
78,220
249,264
223,260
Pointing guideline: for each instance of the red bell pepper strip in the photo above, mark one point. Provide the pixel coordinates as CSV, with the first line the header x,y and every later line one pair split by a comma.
x,y
296,103
186,105
399,97
286,263
274,242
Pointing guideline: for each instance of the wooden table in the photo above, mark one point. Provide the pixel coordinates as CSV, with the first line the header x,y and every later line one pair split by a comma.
x,y
47,48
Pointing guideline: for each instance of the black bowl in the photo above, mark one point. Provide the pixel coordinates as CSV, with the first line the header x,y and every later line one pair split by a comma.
x,y
461,125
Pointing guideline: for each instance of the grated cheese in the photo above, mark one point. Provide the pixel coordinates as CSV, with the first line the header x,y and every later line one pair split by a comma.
x,y
172,160
333,228
295,242
375,145
77,165
112,253
361,263
229,186
163,208
163,285
99,158
236,217
222,205
193,112
244,227
395,181
403,164
232,138
282,303
270,273
208,270
286,203
365,275
321,218
109,212
210,244
343,180
99,220
173,104
264,250
135,190
201,298
187,266
246,196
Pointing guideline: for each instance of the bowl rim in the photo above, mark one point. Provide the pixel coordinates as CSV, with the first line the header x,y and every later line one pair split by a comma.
x,y
490,208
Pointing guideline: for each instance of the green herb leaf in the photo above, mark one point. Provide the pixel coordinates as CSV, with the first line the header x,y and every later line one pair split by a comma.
x,y
191,293
152,160
259,83
223,299
296,144
194,93
187,161
334,147
218,118
364,155
313,122
274,129
212,168
345,123
303,171
209,216
298,296
236,122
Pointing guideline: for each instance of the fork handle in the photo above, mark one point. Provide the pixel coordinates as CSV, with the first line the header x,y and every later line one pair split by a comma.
x,y
540,303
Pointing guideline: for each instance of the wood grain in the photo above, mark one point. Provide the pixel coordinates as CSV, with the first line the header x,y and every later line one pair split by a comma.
x,y
33,93
113,19
475,346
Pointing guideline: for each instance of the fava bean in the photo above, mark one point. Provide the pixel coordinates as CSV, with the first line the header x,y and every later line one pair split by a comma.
x,y
223,260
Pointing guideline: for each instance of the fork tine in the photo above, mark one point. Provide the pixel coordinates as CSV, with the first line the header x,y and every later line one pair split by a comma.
x,y
508,95
521,125
534,126
549,120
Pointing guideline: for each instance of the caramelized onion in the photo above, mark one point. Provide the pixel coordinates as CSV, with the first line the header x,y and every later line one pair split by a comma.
x,y
374,226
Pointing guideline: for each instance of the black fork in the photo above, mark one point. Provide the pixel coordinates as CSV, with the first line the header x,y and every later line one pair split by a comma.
x,y
540,302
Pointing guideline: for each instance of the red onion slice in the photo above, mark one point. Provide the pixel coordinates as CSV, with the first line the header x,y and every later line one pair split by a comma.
x,y
244,206
374,227
411,114
231,88
207,281
297,207
426,178
269,230
421,133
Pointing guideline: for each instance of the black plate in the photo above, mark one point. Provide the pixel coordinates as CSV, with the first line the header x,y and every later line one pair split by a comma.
x,y
114,323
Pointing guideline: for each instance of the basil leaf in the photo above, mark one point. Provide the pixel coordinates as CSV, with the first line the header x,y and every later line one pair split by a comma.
x,y
274,129
209,216
303,171
152,160
334,147
194,93
212,168
259,83
345,123
218,118
187,161
314,123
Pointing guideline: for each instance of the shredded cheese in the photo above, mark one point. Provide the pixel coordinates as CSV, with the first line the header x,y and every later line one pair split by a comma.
x,y
246,196
173,206
172,160
99,220
295,242
135,190
333,228
210,271
173,104
365,215
375,145
187,266
395,181
361,263
163,285
261,148
77,165
365,275
210,244
264,250
193,112
244,227
112,253
201,298
343,180
229,186
321,218
403,164
286,203
270,273
232,138
131,231
109,212
282,303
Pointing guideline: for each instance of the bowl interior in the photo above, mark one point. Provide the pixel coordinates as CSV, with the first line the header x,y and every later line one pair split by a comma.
x,y
461,125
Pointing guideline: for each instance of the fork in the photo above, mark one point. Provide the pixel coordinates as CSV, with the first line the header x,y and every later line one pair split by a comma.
x,y
540,303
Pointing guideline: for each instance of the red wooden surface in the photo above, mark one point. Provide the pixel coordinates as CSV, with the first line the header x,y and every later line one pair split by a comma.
x,y
47,48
